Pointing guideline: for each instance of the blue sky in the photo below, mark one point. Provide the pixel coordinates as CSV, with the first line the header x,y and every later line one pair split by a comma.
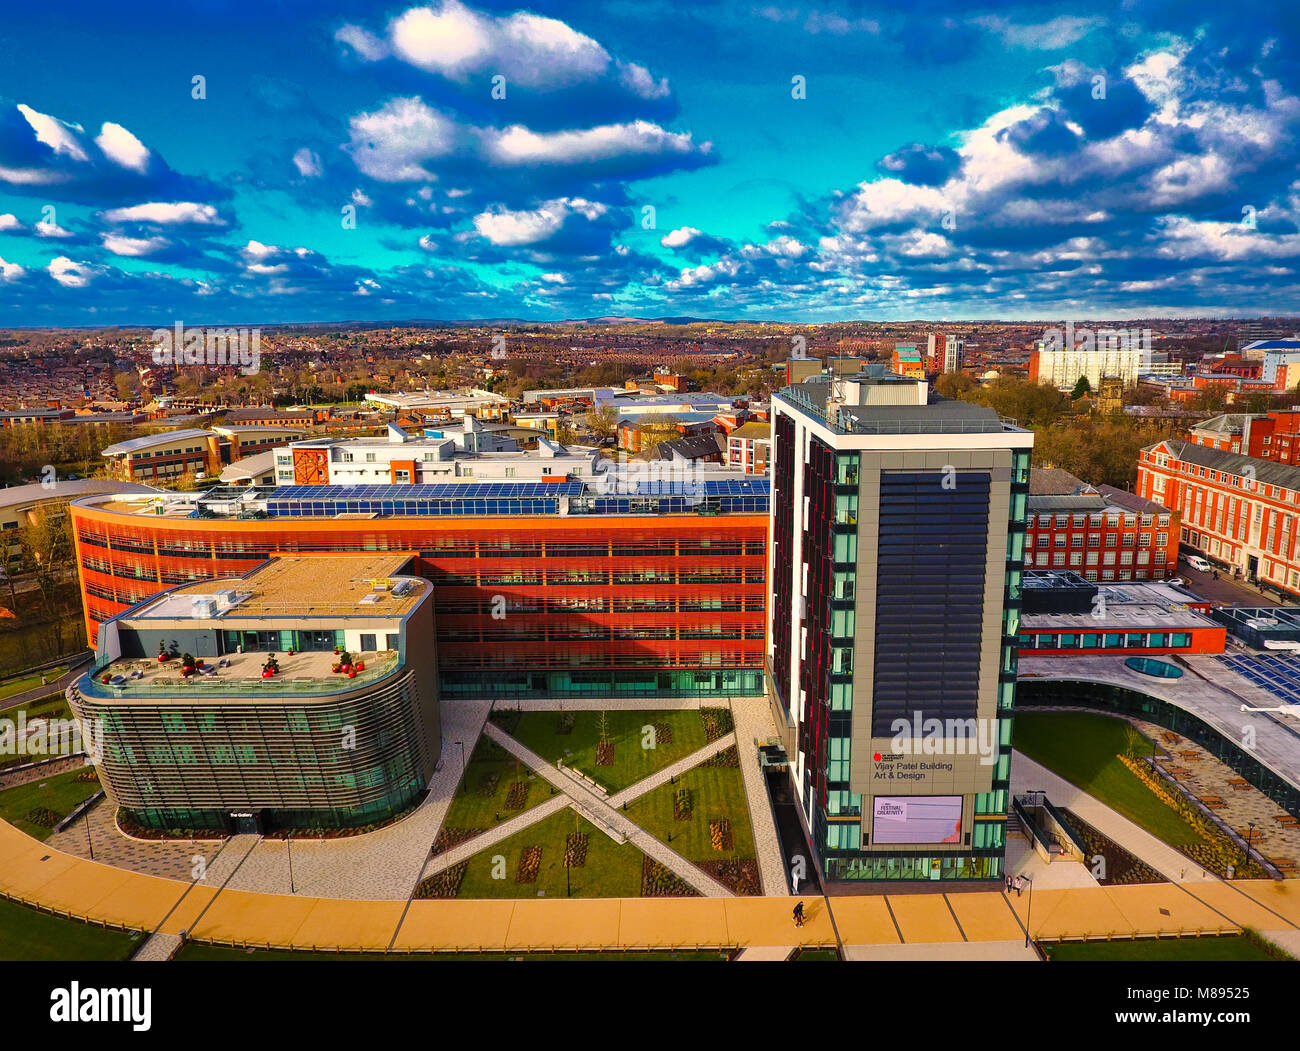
x,y
349,161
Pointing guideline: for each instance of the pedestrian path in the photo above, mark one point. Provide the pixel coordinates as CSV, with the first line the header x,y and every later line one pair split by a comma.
x,y
1028,776
54,686
592,805
486,840
753,720
158,949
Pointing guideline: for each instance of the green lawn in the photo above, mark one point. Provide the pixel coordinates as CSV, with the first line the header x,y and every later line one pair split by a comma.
x,y
633,761
612,870
26,934
61,793
715,793
194,951
24,683
54,706
469,809
1084,748
1162,951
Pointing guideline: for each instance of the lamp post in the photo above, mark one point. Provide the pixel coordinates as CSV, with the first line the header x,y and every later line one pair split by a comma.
x,y
288,845
462,756
1250,831
1029,912
89,842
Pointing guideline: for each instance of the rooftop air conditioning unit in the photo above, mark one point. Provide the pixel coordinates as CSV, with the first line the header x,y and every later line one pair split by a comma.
x,y
203,607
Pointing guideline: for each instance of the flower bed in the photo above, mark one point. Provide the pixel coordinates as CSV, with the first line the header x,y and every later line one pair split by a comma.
x,y
445,884
682,804
720,834
739,875
605,753
488,785
727,759
43,816
530,863
660,882
575,850
663,733
453,837
517,797
1216,851
717,723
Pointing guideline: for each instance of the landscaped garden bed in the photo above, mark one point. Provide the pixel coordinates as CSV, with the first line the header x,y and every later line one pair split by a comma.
x,y
572,858
1122,867
575,850
738,875
530,861
445,884
717,723
517,797
633,745
682,804
720,834
660,882
727,759
453,837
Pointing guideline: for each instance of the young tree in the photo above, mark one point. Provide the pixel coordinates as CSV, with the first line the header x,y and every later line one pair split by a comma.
x,y
1081,389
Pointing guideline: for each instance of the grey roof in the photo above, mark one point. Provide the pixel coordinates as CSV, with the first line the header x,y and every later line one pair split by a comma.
x,y
1228,423
249,466
693,448
1131,501
1266,471
148,441
1081,502
17,495
1054,481
939,415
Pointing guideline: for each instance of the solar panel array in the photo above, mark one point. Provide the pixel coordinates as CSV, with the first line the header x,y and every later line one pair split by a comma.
x,y
749,496
437,491
1279,674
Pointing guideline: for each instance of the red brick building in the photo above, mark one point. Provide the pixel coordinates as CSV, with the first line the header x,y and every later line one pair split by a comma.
x,y
1102,533
1240,512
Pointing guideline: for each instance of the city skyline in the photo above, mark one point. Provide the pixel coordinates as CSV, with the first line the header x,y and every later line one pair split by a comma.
x,y
350,162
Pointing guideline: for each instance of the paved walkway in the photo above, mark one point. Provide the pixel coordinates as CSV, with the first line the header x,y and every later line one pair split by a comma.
x,y
1027,776
588,802
58,685
753,719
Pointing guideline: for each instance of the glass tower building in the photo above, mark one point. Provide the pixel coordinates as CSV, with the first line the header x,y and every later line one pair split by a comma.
x,y
897,525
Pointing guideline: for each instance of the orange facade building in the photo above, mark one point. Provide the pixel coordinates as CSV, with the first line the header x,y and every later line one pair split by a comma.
x,y
559,593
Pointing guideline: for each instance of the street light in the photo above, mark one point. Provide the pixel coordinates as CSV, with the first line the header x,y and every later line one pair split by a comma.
x,y
288,845
462,755
1250,831
89,842
1029,912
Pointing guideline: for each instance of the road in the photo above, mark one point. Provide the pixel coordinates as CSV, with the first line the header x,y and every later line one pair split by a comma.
x,y
1225,591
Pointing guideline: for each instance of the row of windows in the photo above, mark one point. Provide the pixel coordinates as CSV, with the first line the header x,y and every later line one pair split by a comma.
x,y
1108,640
1095,540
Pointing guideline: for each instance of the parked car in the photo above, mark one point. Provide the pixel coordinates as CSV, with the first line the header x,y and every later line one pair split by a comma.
x,y
1197,562
1176,581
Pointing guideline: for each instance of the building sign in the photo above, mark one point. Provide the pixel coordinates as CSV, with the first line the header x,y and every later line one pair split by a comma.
x,y
916,819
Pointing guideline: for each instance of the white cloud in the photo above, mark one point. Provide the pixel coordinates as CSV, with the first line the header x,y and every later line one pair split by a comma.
x,y
1046,36
505,228
71,274
680,237
393,143
458,42
11,271
166,213
9,221
56,134
520,145
134,246
308,163
121,146
363,42
49,229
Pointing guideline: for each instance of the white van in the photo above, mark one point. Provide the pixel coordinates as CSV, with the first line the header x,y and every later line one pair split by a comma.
x,y
1197,562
